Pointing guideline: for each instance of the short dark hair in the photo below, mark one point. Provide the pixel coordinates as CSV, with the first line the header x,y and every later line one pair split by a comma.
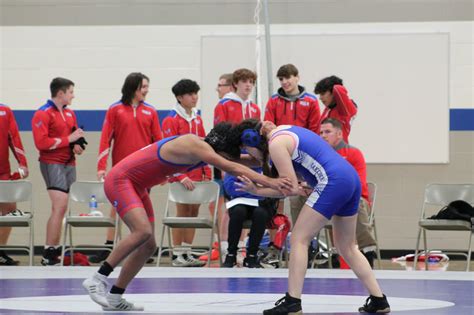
x,y
227,77
287,71
132,83
333,121
327,84
59,84
221,139
185,86
243,74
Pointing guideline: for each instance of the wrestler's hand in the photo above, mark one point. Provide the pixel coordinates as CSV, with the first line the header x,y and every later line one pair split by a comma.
x,y
245,184
188,183
283,184
304,190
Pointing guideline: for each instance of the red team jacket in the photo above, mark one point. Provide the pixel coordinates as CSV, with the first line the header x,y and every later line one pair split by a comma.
x,y
355,157
232,109
344,110
9,138
130,128
178,122
51,129
303,112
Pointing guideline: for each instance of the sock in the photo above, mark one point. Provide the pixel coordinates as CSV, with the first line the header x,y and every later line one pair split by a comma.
x,y
241,244
177,251
105,269
116,290
224,246
186,247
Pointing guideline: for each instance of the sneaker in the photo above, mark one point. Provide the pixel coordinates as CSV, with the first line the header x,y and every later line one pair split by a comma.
x,y
375,304
117,303
284,307
6,260
251,262
370,256
100,257
272,259
51,257
96,286
17,213
230,261
186,261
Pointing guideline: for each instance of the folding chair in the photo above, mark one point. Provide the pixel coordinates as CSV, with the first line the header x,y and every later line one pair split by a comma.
x,y
80,193
18,191
328,248
204,192
441,195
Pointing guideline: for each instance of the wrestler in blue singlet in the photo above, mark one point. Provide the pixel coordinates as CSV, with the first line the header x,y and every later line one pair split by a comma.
x,y
336,185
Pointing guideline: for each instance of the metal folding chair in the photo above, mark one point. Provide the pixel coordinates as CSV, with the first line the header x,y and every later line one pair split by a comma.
x,y
80,193
204,193
441,195
18,191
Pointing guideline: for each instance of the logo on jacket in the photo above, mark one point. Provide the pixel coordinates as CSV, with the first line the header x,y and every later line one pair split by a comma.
x,y
69,114
304,103
3,113
146,112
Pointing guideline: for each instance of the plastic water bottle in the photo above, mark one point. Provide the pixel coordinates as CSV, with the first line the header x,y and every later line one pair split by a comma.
x,y
93,207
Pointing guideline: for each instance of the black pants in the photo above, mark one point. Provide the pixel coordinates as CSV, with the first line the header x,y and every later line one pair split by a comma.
x,y
238,214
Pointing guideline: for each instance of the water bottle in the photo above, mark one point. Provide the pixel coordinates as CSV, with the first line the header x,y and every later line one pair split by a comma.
x,y
93,207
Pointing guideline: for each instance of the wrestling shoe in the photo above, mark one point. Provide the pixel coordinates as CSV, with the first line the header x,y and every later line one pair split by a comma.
x,y
377,305
117,303
287,305
96,286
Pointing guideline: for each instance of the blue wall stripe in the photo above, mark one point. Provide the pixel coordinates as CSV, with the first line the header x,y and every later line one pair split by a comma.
x,y
91,120
460,119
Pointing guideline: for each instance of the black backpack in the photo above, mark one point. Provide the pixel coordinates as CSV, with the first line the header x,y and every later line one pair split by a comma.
x,y
456,210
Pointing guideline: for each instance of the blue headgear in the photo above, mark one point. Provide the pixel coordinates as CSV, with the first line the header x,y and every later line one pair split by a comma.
x,y
251,137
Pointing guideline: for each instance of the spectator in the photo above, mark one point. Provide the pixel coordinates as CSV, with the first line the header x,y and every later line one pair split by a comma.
x,y
130,124
58,140
338,104
9,138
184,119
331,131
237,106
292,105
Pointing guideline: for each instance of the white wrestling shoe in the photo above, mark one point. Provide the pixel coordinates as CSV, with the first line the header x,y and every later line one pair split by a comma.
x,y
96,286
118,303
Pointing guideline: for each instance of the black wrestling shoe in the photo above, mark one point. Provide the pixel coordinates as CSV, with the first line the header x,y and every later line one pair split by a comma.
x,y
375,305
287,305
230,261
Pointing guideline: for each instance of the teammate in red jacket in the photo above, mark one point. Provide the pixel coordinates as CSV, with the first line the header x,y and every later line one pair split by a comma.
x,y
9,138
184,119
338,104
130,124
235,107
292,105
331,131
58,139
